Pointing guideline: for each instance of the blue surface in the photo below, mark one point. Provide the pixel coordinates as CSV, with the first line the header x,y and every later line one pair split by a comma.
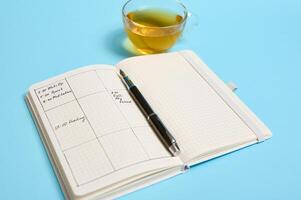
x,y
256,44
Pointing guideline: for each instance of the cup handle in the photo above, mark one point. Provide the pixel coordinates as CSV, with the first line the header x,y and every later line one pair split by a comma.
x,y
192,22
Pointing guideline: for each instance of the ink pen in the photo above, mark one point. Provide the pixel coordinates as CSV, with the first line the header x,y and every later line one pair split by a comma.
x,y
164,135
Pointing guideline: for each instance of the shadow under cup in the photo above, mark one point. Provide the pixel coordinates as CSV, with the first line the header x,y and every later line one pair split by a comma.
x,y
153,26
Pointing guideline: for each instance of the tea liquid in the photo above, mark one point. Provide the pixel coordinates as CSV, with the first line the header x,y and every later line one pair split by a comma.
x,y
154,30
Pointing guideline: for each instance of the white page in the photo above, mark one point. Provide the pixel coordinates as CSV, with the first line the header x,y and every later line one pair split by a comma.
x,y
192,110
96,130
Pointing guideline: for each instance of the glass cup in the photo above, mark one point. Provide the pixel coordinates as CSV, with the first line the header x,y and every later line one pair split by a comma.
x,y
153,26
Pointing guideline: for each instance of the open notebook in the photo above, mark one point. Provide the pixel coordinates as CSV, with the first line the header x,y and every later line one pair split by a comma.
x,y
99,142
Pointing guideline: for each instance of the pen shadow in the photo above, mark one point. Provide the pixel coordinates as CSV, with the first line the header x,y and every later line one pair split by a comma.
x,y
118,43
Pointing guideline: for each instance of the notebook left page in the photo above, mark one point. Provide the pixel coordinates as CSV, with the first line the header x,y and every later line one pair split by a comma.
x,y
97,132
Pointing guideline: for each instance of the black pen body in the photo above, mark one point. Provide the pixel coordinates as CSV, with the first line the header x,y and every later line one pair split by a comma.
x,y
138,97
161,131
165,136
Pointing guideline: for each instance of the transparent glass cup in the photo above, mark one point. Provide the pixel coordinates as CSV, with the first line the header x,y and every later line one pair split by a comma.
x,y
154,26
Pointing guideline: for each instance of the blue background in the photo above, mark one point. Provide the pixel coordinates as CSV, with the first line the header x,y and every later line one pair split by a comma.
x,y
255,43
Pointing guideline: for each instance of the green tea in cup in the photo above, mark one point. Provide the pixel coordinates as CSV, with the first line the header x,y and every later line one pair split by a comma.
x,y
154,28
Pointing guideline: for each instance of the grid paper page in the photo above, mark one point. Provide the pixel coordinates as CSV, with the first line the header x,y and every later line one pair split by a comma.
x,y
97,124
88,161
193,112
105,118
129,148
150,142
70,125
54,94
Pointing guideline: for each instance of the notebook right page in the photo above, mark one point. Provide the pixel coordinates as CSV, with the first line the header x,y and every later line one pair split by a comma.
x,y
192,109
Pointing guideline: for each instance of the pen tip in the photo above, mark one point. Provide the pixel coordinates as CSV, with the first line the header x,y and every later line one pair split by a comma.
x,y
122,73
